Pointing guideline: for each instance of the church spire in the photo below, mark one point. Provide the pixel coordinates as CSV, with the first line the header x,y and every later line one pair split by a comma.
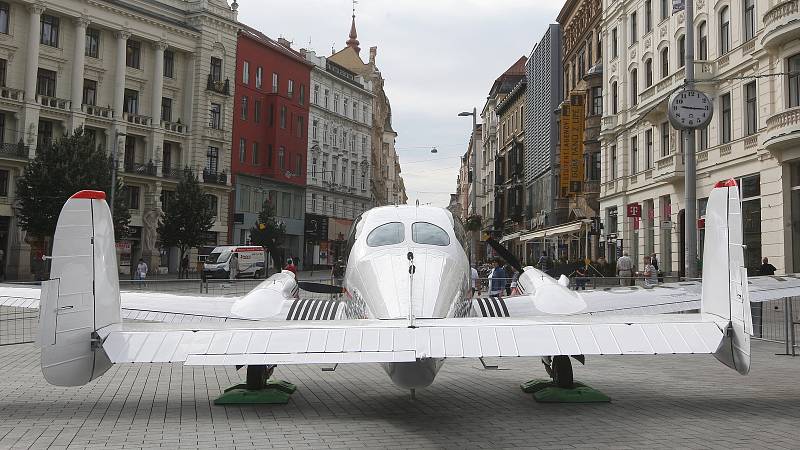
x,y
353,41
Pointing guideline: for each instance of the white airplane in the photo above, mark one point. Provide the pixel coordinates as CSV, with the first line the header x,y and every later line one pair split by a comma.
x,y
405,305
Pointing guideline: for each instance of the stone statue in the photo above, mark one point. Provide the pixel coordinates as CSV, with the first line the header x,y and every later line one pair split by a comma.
x,y
150,231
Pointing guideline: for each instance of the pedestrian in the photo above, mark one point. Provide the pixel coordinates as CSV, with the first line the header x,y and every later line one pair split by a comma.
x,y
766,268
581,272
141,270
625,270
654,261
510,278
497,279
233,266
473,274
183,272
291,267
544,263
514,283
650,273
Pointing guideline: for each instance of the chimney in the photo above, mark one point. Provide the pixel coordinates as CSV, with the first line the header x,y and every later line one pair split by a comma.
x,y
373,51
303,52
284,42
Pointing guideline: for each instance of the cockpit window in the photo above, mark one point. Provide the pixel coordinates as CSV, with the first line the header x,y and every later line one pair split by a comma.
x,y
386,234
428,233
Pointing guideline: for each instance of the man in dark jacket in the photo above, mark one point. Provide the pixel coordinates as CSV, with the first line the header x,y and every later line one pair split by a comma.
x,y
497,279
766,268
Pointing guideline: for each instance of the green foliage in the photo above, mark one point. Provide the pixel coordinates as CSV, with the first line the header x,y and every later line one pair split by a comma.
x,y
187,217
68,165
268,232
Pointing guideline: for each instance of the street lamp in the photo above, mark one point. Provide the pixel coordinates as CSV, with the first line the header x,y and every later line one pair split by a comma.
x,y
115,163
474,172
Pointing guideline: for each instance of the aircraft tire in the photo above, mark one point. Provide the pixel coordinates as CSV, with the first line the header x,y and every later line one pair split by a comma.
x,y
562,372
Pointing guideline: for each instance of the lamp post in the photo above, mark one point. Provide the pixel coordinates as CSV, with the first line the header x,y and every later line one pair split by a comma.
x,y
690,169
473,170
115,163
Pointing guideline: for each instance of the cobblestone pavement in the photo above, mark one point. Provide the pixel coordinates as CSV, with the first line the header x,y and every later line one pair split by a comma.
x,y
666,402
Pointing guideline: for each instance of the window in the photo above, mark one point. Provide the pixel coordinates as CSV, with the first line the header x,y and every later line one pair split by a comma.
x,y
364,142
355,110
597,101
648,72
302,94
664,62
430,234
334,171
589,51
244,107
271,114
614,49
269,155
212,159
634,154
682,51
282,158
793,64
703,138
664,139
751,220
346,105
387,234
599,47
314,127
648,156
648,16
3,68
325,169
46,83
166,109
259,77
634,31
257,111
725,118
364,113
749,19
216,116
290,91
344,175
242,150
614,98
613,162
211,200
274,83
314,168
751,108
216,69
316,94
300,121
132,195
283,117
4,18
298,162
335,102
353,177
245,72
49,33
169,64
89,92
594,166
4,178
634,87
133,54
325,134
665,9
92,42
724,30
327,93
702,41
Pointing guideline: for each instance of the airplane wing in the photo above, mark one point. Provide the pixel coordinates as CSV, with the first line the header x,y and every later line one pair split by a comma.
x,y
774,287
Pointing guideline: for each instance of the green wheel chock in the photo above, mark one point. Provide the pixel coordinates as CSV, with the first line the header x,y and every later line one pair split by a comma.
x,y
281,385
545,391
240,396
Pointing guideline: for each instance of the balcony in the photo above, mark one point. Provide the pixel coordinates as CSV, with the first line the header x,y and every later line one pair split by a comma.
x,y
609,123
220,87
136,119
11,94
54,102
173,127
669,168
11,150
591,187
148,168
783,130
98,111
174,172
781,24
215,177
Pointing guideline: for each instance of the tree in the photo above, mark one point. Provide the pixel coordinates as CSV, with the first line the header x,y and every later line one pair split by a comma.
x,y
187,217
68,165
268,232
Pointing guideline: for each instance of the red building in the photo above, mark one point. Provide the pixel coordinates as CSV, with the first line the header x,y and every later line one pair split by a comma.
x,y
270,136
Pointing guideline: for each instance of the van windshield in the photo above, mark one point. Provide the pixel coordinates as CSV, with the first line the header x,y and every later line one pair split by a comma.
x,y
216,258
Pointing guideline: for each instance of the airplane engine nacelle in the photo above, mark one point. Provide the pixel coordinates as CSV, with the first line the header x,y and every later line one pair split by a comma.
x,y
268,298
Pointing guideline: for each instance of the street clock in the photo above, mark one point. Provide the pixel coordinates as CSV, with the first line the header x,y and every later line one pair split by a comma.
x,y
690,109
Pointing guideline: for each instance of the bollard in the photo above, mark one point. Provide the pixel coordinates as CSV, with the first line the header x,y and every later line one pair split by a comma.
x,y
791,328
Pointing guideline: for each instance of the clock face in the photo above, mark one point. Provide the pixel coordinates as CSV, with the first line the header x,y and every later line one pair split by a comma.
x,y
690,109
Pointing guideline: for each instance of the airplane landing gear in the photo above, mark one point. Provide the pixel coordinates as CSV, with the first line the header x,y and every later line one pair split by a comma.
x,y
561,369
562,388
258,389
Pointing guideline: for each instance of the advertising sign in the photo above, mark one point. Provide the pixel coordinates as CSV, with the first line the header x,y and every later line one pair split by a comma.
x,y
316,227
572,164
634,210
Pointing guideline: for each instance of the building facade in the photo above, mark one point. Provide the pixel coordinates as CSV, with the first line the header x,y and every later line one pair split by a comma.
x,y
509,185
154,86
270,137
752,138
339,151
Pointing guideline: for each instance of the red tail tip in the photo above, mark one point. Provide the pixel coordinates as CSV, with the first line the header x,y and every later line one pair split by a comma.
x,y
95,195
726,183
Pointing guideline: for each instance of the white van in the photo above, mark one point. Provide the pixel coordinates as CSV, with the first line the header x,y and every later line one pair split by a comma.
x,y
251,262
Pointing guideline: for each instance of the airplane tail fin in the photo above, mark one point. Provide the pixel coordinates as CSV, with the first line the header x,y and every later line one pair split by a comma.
x,y
725,292
82,294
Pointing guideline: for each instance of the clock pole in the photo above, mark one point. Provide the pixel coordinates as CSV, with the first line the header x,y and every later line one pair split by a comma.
x,y
690,169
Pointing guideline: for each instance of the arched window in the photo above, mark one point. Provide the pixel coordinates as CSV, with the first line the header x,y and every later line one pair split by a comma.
x,y
648,72
614,98
682,51
724,30
664,62
702,41
634,87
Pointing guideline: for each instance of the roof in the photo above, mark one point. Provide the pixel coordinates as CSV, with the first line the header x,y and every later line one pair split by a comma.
x,y
513,74
265,40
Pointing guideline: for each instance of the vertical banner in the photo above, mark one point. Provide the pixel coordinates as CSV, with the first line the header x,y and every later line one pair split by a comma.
x,y
572,162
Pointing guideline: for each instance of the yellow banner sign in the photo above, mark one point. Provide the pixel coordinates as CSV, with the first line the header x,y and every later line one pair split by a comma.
x,y
572,163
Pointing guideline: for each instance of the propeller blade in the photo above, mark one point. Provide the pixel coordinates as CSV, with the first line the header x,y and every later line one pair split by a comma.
x,y
320,288
505,254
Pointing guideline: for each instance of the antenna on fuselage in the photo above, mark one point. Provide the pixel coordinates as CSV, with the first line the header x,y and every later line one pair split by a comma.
x,y
417,202
411,270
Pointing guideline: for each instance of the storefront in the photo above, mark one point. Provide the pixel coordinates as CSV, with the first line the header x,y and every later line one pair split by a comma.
x,y
316,241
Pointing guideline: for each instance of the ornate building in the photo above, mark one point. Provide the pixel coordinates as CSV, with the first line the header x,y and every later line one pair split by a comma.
x,y
148,79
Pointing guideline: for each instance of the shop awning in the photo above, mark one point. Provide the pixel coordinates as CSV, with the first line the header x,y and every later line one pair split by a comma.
x,y
511,236
552,231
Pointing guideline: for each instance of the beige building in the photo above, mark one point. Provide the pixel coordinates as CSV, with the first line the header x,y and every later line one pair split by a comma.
x,y
753,137
147,78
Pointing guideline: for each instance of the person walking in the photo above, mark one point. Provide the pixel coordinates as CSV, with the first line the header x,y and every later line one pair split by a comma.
x,y
650,273
625,270
544,263
183,272
497,279
291,267
473,274
766,268
581,274
234,266
141,271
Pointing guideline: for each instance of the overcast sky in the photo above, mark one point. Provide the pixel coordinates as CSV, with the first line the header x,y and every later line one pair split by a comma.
x,y
439,57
